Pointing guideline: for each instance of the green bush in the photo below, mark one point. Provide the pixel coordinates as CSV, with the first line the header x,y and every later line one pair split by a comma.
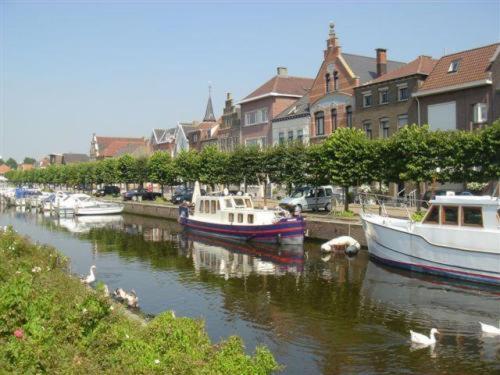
x,y
52,323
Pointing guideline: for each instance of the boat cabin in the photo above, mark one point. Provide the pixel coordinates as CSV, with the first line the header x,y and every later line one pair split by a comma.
x,y
238,210
464,211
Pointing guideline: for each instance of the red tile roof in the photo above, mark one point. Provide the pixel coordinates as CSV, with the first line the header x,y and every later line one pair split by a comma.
x,y
112,146
4,168
284,85
421,65
473,65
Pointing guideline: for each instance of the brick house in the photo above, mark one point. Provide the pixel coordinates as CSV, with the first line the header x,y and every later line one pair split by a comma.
x,y
108,147
331,102
4,168
385,104
228,135
204,132
163,140
462,91
266,102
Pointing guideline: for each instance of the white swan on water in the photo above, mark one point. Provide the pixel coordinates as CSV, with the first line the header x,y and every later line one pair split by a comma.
x,y
492,330
418,338
90,277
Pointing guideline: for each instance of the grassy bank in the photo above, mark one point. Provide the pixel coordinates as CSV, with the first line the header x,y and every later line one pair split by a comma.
x,y
51,323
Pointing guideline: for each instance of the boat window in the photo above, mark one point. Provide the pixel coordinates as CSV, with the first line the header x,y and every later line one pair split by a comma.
x,y
214,207
218,206
228,203
207,206
472,216
200,208
248,203
449,215
250,218
240,218
239,202
432,216
231,218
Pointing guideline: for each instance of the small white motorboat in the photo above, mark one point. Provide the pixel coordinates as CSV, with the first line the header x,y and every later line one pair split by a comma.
x,y
459,237
99,208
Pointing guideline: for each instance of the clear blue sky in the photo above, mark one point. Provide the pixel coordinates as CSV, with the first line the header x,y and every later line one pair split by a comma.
x,y
122,68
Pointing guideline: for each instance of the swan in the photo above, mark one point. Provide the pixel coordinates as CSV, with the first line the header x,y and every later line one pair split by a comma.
x,y
130,298
420,339
492,330
90,277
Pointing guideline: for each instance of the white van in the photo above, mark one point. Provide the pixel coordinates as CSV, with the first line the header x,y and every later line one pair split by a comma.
x,y
312,198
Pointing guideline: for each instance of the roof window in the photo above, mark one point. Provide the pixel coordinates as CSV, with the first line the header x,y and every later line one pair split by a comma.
x,y
453,66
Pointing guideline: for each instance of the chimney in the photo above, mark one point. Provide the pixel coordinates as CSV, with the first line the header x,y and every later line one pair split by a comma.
x,y
282,71
229,96
381,61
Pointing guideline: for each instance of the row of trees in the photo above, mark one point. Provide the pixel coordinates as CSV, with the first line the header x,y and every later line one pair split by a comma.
x,y
347,158
12,164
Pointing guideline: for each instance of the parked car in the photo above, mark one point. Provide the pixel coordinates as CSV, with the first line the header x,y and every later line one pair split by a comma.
x,y
108,190
183,195
140,194
312,198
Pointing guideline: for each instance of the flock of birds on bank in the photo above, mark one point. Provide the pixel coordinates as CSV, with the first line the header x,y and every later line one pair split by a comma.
x,y
120,294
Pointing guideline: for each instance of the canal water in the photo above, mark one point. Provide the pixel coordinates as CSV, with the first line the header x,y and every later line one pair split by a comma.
x,y
318,314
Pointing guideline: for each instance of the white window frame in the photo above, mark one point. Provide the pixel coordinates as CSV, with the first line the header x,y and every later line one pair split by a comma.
x,y
368,125
401,87
454,65
480,113
381,92
260,116
401,116
384,124
367,94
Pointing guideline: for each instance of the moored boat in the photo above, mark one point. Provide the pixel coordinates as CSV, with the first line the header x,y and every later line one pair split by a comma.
x,y
235,218
459,237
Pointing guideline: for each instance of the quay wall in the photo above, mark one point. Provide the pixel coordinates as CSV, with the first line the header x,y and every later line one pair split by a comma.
x,y
316,228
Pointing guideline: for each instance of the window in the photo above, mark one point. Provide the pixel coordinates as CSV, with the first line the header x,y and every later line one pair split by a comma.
x,y
261,142
442,116
480,113
402,121
348,111
472,216
320,123
195,137
402,93
214,207
207,206
321,193
200,208
300,135
449,215
240,218
327,82
334,119
367,99
383,96
329,192
248,203
239,202
367,127
384,128
250,218
228,203
231,218
453,66
281,138
256,117
335,80
218,205
432,216
290,135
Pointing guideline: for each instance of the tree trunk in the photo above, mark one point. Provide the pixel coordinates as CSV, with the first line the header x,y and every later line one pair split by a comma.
x,y
346,198
419,202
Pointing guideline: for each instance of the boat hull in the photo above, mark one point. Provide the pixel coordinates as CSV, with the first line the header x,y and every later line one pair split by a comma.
x,y
406,250
87,211
287,231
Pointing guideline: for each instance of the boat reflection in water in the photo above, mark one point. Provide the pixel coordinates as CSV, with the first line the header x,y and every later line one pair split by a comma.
x,y
454,307
234,259
84,224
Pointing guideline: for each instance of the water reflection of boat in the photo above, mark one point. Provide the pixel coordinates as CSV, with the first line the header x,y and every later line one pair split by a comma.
x,y
457,304
234,259
83,224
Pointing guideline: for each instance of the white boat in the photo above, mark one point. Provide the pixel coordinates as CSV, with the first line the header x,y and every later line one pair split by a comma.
x,y
99,208
459,237
83,204
235,218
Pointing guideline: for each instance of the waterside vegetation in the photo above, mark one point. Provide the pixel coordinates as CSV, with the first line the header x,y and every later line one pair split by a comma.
x,y
52,323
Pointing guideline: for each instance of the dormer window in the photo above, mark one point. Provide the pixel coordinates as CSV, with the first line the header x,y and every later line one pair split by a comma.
x,y
454,66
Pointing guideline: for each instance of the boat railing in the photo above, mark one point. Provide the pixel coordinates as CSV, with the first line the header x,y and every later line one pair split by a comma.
x,y
388,206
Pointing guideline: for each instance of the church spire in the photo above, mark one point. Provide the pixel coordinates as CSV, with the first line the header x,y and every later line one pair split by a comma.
x,y
209,113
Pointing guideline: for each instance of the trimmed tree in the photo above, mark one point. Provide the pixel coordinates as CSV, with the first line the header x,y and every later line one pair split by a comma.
x,y
162,169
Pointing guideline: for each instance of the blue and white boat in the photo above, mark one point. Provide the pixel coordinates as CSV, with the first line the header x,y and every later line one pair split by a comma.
x,y
459,237
235,218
